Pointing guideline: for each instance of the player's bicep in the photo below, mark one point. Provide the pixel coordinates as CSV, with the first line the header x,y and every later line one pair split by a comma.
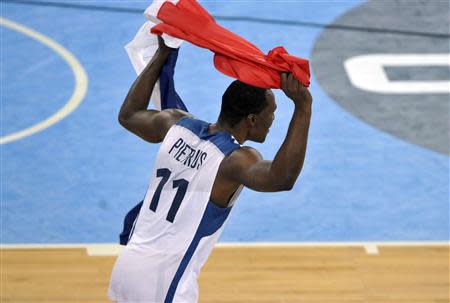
x,y
250,170
146,124
258,177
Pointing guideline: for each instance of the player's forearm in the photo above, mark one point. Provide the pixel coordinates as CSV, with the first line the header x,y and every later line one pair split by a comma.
x,y
288,162
138,97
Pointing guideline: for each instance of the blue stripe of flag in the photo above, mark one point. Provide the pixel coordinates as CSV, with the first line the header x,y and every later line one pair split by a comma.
x,y
169,97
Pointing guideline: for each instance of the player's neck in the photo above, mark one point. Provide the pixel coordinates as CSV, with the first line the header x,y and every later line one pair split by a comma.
x,y
236,131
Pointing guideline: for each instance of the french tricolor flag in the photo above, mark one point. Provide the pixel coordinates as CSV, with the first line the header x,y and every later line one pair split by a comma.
x,y
142,49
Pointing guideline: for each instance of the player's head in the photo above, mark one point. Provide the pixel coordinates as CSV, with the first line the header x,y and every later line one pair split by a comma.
x,y
251,106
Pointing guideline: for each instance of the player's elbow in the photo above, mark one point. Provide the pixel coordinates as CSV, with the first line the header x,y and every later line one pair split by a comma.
x,y
286,185
289,180
282,182
128,125
124,123
124,119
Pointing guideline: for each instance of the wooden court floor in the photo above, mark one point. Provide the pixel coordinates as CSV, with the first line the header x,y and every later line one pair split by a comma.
x,y
250,274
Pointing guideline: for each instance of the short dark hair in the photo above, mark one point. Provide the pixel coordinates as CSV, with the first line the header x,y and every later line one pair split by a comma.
x,y
240,100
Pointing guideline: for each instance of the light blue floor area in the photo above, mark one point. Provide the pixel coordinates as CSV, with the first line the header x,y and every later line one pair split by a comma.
x,y
74,181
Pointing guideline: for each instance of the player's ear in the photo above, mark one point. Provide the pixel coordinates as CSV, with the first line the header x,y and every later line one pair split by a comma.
x,y
251,120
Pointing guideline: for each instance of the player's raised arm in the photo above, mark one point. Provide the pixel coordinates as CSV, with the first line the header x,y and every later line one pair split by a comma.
x,y
246,166
150,125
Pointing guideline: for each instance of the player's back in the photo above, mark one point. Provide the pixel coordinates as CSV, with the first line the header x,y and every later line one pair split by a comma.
x,y
178,225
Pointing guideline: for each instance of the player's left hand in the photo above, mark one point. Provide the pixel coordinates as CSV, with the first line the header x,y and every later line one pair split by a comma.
x,y
295,91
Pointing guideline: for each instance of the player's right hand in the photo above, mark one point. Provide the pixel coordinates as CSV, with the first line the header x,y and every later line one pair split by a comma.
x,y
295,91
162,46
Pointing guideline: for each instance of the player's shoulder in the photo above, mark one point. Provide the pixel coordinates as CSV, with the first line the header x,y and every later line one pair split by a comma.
x,y
242,156
171,116
246,151
238,161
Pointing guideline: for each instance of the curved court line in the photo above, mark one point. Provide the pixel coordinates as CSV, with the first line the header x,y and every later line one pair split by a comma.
x,y
79,92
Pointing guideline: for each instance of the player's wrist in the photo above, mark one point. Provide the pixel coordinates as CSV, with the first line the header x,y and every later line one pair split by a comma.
x,y
164,52
303,109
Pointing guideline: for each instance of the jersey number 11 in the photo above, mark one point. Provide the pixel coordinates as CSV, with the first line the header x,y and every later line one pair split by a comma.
x,y
181,184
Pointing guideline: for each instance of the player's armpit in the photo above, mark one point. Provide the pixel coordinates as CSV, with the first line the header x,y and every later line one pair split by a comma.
x,y
152,125
247,167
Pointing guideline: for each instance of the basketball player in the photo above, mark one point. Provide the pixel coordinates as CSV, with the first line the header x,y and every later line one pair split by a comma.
x,y
199,172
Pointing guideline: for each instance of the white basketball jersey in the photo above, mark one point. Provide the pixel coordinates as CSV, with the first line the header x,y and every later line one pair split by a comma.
x,y
178,225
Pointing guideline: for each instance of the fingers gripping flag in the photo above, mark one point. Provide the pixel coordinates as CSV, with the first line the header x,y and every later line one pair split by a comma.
x,y
142,49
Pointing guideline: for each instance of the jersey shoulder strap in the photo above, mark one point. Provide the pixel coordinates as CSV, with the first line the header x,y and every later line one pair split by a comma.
x,y
224,141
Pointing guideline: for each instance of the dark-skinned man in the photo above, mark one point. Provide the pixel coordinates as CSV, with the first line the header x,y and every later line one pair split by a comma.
x,y
199,172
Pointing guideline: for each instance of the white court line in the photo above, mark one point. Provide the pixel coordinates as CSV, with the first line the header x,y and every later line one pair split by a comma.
x,y
78,94
371,249
111,249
